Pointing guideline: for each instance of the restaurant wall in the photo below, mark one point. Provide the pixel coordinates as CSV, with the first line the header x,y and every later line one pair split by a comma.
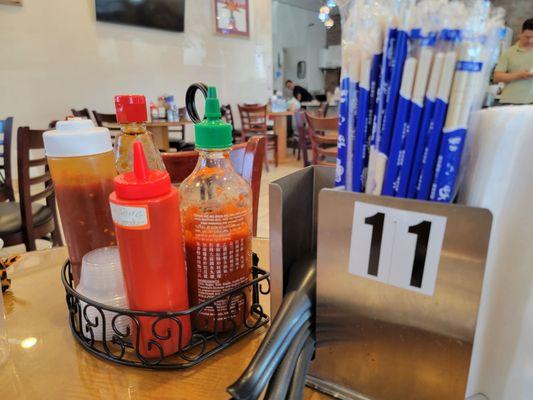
x,y
295,27
516,12
54,56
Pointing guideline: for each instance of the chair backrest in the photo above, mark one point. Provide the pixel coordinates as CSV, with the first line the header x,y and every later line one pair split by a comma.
x,y
39,185
247,159
83,113
323,109
227,114
253,118
6,183
323,142
102,119
302,130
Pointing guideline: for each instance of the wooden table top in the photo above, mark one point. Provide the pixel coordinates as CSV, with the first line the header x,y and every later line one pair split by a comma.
x,y
281,113
168,123
56,367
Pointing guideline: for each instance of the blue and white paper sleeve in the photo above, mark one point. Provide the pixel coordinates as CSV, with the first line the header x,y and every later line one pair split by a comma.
x,y
342,142
363,98
400,129
435,127
400,54
447,167
381,100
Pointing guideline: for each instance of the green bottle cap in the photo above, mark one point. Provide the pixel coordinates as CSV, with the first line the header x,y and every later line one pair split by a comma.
x,y
212,132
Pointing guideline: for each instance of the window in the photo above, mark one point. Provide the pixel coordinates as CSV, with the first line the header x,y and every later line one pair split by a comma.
x,y
300,69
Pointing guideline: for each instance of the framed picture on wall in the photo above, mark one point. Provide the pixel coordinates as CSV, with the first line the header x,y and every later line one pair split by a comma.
x,y
232,17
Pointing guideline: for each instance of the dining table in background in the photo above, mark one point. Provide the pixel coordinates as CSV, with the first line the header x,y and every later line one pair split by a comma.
x,y
46,362
159,130
280,129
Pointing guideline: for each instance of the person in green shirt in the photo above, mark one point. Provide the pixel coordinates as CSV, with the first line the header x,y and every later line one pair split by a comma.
x,y
515,69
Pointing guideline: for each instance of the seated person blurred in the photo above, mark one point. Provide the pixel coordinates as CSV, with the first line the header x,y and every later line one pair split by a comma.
x,y
515,69
301,94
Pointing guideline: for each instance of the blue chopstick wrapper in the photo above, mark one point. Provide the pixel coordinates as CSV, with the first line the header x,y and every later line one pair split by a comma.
x,y
405,160
375,79
342,141
384,82
400,53
451,148
398,137
422,142
448,163
366,99
431,149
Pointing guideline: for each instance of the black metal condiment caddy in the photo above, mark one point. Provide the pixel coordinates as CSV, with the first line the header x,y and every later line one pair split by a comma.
x,y
204,344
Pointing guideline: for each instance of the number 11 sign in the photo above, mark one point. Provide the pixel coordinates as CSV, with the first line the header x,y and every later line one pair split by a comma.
x,y
397,247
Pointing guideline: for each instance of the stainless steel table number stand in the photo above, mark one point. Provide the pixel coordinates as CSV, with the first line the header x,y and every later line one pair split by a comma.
x,y
398,291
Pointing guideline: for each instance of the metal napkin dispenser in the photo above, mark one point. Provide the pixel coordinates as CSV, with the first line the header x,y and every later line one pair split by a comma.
x,y
398,286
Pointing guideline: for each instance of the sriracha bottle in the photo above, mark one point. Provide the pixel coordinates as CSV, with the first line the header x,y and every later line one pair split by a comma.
x,y
216,211
145,210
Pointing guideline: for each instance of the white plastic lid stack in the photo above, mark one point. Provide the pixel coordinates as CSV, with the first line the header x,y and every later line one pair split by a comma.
x,y
77,137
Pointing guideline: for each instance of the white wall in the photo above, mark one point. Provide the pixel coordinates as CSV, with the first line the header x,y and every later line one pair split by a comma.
x,y
54,56
290,26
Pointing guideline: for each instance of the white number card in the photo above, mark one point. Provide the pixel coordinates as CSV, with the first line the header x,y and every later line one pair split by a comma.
x,y
397,247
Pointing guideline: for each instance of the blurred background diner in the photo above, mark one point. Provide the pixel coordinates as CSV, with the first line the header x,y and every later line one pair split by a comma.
x,y
276,65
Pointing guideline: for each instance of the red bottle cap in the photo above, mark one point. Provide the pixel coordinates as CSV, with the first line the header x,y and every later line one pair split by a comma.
x,y
130,108
142,183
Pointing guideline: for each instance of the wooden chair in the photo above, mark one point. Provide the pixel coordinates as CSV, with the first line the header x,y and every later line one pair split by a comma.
x,y
175,142
254,122
324,146
247,159
28,220
6,182
302,135
322,110
102,119
227,115
83,113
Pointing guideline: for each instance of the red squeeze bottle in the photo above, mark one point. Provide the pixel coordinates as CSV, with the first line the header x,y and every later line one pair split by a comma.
x,y
145,210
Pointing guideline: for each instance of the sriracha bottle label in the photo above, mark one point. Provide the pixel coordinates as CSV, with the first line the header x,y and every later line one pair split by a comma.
x,y
218,248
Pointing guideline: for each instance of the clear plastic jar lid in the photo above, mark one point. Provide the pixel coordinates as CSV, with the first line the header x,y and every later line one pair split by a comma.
x,y
76,137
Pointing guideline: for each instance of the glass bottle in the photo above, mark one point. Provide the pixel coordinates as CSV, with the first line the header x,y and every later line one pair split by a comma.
x,y
131,115
216,212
